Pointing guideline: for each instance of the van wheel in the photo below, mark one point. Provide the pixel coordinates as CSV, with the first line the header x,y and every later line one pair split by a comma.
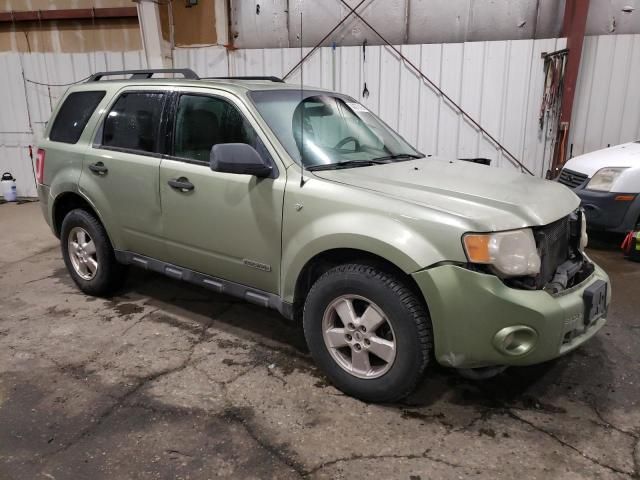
x,y
88,254
368,332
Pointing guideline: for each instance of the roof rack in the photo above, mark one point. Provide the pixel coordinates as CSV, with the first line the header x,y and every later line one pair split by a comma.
x,y
145,74
268,78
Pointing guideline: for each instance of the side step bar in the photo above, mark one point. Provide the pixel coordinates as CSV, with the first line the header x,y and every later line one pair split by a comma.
x,y
218,285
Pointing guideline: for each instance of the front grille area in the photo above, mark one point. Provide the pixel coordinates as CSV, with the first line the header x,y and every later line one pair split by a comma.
x,y
571,179
553,244
562,265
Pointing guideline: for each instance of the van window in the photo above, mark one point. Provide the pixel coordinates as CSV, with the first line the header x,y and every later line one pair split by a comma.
x,y
134,122
73,116
203,121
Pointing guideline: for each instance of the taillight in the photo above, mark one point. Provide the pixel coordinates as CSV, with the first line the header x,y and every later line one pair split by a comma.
x,y
40,166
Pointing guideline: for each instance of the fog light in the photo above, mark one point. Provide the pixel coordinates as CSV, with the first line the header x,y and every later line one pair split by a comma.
x,y
515,340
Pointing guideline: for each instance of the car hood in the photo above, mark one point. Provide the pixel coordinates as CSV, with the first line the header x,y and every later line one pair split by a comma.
x,y
625,155
487,198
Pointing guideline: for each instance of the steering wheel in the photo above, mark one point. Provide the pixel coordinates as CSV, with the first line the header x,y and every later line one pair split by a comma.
x,y
346,140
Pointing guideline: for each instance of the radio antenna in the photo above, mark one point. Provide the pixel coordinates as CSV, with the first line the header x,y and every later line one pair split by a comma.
x,y
301,106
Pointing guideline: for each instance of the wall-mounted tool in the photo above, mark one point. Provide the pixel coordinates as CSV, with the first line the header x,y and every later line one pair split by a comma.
x,y
365,90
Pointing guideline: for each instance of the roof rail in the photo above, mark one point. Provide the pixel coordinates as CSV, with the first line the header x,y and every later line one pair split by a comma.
x,y
145,74
268,78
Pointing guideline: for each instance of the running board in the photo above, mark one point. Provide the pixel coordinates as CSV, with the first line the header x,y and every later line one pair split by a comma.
x,y
218,285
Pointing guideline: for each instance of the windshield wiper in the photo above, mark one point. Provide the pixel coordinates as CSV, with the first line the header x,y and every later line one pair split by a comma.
x,y
399,156
346,164
363,163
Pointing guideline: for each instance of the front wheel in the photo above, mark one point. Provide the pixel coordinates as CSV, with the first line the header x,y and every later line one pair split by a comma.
x,y
368,332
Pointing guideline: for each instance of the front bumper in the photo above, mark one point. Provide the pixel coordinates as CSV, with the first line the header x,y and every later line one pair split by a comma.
x,y
610,211
468,309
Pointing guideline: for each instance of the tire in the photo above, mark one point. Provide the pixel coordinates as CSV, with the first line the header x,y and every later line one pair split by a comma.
x,y
108,275
357,289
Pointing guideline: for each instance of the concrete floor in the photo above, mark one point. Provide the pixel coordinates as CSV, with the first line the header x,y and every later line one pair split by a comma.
x,y
170,381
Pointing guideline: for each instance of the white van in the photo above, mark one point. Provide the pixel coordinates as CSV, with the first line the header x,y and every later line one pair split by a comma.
x,y
608,183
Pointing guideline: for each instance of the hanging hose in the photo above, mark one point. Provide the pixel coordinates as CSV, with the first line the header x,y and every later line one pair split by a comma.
x,y
554,70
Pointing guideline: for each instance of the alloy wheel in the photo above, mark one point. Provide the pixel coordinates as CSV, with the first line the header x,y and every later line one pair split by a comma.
x,y
359,336
82,253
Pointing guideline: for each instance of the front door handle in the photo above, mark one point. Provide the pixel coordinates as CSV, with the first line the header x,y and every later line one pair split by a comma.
x,y
183,184
98,168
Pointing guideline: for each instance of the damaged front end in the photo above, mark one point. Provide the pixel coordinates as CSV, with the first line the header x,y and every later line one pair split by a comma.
x,y
535,297
562,261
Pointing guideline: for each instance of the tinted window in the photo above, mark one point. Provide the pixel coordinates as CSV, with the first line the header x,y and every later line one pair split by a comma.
x,y
202,122
73,116
134,122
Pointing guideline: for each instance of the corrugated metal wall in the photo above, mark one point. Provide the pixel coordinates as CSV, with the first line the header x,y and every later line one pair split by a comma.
x,y
499,83
27,105
607,104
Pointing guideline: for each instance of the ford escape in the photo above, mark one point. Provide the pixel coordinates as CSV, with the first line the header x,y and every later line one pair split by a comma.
x,y
307,203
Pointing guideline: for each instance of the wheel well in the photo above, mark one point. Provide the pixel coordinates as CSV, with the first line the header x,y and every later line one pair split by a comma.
x,y
325,261
64,204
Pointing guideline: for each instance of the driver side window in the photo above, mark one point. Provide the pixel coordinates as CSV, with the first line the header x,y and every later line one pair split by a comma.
x,y
203,121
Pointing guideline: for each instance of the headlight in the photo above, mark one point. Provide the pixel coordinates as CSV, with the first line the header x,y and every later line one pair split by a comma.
x,y
512,253
604,178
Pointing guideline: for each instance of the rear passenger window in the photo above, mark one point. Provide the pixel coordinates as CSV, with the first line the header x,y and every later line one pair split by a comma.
x,y
203,121
73,116
134,122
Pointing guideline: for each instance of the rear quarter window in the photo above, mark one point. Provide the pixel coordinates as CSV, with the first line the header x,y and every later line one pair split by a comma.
x,y
73,116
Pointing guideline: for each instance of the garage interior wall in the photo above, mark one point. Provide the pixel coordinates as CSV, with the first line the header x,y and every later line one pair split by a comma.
x,y
607,103
67,36
498,82
53,52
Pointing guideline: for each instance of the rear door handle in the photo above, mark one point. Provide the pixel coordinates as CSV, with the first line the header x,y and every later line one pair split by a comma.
x,y
98,168
183,184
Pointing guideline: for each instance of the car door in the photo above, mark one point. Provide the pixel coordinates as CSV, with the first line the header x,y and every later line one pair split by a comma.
x,y
121,171
228,225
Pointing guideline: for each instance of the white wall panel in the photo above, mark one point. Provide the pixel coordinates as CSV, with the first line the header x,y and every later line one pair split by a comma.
x,y
607,104
27,105
208,61
498,83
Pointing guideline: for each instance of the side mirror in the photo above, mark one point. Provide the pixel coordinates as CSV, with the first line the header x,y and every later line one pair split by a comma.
x,y
238,158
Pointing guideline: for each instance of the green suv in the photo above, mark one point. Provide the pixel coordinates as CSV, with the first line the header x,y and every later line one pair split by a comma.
x,y
305,202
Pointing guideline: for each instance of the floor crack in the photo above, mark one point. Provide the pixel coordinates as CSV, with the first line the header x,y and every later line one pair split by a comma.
x,y
568,445
608,424
141,383
408,456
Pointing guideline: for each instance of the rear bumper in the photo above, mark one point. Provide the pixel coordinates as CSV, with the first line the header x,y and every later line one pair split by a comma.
x,y
468,309
46,204
604,212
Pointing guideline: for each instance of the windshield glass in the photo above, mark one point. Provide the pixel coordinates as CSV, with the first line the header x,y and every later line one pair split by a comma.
x,y
325,129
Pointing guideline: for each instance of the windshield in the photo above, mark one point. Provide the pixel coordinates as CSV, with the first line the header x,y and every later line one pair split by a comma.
x,y
320,129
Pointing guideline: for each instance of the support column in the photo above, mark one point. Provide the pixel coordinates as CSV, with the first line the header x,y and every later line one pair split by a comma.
x,y
573,27
222,22
156,49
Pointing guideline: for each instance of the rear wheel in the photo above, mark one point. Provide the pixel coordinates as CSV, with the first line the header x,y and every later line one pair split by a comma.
x,y
368,332
88,254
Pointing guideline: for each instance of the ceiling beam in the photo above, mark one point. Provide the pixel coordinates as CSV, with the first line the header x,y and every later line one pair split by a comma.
x,y
67,14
